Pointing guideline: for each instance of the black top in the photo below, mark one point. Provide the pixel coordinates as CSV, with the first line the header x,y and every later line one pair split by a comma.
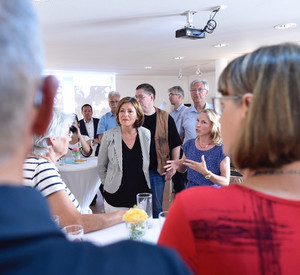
x,y
133,179
173,137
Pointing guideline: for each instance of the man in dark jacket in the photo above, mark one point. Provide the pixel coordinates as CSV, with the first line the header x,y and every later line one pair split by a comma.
x,y
88,126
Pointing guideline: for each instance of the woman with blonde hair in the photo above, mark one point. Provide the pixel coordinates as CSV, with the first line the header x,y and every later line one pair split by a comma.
x,y
203,157
254,227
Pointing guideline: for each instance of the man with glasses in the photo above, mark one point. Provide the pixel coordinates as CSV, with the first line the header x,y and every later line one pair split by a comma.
x,y
31,242
164,137
176,96
199,90
108,121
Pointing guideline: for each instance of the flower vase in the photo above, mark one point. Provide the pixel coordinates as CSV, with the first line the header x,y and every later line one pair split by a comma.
x,y
76,156
136,230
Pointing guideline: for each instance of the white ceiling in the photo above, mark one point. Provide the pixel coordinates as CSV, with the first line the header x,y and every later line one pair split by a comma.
x,y
124,36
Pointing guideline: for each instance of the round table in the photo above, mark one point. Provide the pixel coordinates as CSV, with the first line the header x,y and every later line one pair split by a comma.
x,y
82,179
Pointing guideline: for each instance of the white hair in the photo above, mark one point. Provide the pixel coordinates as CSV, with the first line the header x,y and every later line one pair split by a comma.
x,y
56,129
21,63
203,81
113,93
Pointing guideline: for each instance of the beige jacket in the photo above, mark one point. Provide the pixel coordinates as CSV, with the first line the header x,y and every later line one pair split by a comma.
x,y
110,161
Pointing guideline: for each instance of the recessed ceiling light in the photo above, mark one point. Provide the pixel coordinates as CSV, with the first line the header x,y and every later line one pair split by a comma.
x,y
179,57
285,26
148,67
221,45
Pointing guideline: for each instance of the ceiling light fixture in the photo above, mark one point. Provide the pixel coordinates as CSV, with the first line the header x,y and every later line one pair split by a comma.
x,y
285,26
148,67
179,57
180,74
221,45
198,71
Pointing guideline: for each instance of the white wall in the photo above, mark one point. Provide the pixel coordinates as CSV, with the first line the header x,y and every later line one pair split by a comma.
x,y
77,89
126,85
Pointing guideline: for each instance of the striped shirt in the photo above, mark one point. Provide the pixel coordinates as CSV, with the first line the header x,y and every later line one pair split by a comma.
x,y
45,177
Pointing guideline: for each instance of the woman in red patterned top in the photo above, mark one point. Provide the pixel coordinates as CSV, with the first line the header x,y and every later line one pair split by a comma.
x,y
253,228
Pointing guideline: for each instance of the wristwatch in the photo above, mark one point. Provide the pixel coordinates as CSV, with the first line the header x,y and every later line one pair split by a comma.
x,y
208,175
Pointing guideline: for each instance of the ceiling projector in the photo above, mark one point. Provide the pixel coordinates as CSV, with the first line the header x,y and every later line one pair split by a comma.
x,y
190,33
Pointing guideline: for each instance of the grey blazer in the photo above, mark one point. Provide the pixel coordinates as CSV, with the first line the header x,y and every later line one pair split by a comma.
x,y
110,161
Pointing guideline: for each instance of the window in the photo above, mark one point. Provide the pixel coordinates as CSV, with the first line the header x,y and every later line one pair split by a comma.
x,y
78,88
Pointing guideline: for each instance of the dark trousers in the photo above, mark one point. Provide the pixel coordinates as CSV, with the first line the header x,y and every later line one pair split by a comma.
x,y
179,179
179,182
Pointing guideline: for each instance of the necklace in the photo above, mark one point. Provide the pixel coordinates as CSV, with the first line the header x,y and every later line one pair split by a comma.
x,y
201,146
277,172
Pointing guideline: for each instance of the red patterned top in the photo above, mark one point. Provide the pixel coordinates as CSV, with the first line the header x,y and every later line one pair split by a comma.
x,y
234,230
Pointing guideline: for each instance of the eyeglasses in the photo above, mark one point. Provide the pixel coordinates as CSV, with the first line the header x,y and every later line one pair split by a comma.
x,y
219,105
113,101
170,94
141,96
198,90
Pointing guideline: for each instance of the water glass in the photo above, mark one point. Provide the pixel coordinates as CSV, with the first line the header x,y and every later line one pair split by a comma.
x,y
162,217
144,201
74,232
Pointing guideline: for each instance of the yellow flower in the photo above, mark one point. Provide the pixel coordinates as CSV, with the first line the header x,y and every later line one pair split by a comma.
x,y
135,215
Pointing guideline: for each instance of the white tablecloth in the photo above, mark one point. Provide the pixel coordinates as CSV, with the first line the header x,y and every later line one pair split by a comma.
x,y
119,232
82,179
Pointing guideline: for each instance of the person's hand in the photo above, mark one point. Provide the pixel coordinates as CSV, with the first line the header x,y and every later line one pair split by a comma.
x,y
77,128
95,141
169,174
172,164
200,167
171,167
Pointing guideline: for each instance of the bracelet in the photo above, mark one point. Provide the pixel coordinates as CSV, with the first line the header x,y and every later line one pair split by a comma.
x,y
208,175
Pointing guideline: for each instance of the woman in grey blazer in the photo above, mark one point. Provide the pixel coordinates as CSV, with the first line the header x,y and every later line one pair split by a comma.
x,y
123,159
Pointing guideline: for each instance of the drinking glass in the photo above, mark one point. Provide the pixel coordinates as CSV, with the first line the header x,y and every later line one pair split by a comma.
x,y
74,232
162,217
144,201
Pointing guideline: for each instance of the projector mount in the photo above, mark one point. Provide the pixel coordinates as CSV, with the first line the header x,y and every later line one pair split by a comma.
x,y
211,23
189,18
